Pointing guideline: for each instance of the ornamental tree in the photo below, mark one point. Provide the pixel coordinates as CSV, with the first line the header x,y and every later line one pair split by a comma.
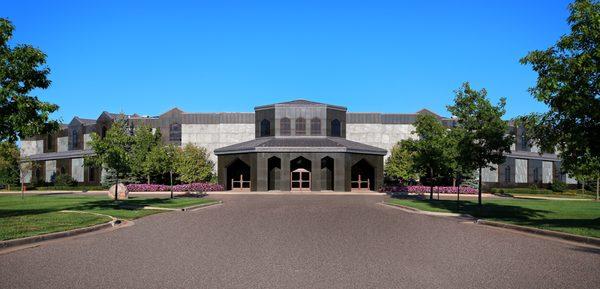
x,y
9,164
144,141
399,166
113,151
569,84
22,70
483,139
192,164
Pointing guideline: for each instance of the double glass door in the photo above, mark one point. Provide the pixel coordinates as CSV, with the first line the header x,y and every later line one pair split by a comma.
x,y
300,180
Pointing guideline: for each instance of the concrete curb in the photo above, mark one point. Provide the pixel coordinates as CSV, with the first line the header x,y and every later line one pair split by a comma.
x,y
57,235
531,230
555,234
196,207
439,214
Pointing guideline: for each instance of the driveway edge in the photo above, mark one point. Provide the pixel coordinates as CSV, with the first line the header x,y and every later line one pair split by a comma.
x,y
560,235
57,235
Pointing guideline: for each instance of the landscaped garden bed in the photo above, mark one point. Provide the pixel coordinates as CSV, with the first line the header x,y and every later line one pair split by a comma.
x,y
427,189
193,187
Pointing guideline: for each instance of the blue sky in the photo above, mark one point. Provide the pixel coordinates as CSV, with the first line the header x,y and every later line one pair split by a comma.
x,y
212,56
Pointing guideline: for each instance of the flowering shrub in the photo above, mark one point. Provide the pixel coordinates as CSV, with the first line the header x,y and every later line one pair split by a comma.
x,y
193,187
426,189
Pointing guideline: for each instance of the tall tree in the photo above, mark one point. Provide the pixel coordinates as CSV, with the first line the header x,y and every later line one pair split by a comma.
x,y
485,137
430,150
399,166
193,164
144,141
161,160
569,84
22,69
113,151
588,169
9,164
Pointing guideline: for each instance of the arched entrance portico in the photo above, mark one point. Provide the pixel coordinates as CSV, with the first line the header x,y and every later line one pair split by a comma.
x,y
362,176
238,176
300,174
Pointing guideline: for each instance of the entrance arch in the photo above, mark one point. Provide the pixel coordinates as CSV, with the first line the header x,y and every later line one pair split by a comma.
x,y
362,176
238,176
300,174
274,177
327,174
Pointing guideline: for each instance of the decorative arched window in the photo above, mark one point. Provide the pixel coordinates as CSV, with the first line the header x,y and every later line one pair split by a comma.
x,y
285,126
175,132
536,176
315,126
507,174
74,138
265,128
300,126
336,128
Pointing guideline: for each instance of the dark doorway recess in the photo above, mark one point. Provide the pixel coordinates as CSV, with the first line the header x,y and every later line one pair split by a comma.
x,y
327,174
300,176
238,176
362,176
274,173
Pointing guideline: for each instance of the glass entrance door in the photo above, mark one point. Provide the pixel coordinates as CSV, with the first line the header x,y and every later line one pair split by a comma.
x,y
300,180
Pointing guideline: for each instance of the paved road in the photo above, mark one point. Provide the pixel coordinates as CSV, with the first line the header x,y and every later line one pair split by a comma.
x,y
302,242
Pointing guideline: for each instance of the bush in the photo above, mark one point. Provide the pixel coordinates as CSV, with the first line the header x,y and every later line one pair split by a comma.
x,y
193,187
426,189
519,191
64,180
558,186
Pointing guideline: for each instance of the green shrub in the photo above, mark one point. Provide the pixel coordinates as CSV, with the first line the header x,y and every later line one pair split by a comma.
x,y
558,186
64,180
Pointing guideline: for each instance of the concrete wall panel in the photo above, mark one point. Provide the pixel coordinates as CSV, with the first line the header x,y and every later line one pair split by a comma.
x,y
50,170
520,171
547,172
77,169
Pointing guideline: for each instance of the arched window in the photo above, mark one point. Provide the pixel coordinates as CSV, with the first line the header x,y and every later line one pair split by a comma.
x,y
507,174
265,128
285,126
49,142
92,174
175,132
336,128
300,126
315,126
536,176
523,141
74,138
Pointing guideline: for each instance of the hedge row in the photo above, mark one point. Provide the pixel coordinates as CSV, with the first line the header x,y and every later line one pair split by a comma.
x,y
426,189
193,187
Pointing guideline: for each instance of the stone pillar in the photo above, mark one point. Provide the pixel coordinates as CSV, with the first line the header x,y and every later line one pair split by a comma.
x,y
315,170
285,172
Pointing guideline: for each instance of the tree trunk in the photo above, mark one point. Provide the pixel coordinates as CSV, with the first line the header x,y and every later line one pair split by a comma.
x,y
583,186
171,177
431,184
454,182
597,188
148,179
479,189
458,198
117,187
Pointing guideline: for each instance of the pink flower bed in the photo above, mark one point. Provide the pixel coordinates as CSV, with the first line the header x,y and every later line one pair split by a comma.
x,y
426,189
193,187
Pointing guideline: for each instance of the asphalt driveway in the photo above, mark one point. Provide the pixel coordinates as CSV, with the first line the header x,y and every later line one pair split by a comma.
x,y
302,242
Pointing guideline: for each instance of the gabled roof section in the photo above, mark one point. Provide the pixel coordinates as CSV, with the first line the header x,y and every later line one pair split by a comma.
x,y
300,102
82,121
427,111
300,144
172,111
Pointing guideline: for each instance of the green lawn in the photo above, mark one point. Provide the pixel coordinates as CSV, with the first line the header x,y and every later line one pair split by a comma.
x,y
39,214
575,217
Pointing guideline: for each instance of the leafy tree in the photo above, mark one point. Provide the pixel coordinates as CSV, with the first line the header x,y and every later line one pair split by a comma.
x,y
569,84
9,164
193,164
588,169
22,69
113,151
144,142
484,137
399,166
162,161
430,150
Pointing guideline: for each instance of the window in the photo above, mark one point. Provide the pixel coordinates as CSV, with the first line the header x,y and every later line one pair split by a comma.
x,y
62,170
92,174
336,129
507,174
300,126
265,128
49,142
285,128
315,126
74,138
536,177
175,132
523,141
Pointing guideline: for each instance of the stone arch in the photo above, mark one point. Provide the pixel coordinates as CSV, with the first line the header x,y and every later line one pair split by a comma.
x,y
274,171
362,176
327,174
238,175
